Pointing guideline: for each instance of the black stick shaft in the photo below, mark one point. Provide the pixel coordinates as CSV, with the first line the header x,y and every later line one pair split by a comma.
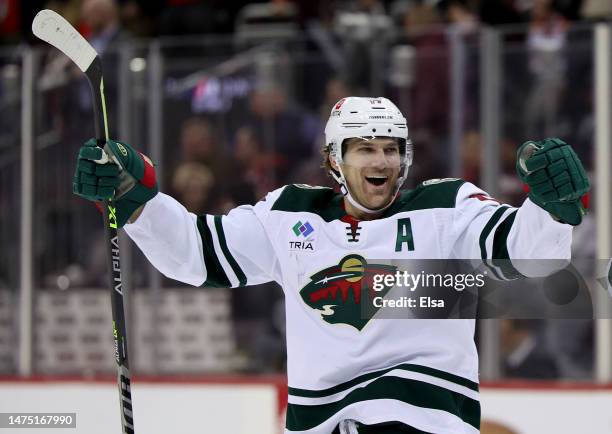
x,y
94,74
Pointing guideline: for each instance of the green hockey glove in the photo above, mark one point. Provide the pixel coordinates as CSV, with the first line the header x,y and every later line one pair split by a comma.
x,y
555,178
129,179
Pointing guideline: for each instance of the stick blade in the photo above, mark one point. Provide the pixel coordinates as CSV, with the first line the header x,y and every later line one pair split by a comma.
x,y
51,27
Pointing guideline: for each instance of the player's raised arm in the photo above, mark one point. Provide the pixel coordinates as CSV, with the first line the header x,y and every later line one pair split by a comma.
x,y
199,250
541,228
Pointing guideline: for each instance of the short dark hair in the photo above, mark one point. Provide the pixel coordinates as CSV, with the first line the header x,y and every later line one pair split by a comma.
x,y
325,150
325,164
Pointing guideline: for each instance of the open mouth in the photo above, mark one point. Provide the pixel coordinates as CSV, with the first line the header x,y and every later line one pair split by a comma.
x,y
377,180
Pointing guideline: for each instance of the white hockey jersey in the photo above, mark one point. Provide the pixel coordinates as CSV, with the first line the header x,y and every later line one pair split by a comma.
x,y
423,373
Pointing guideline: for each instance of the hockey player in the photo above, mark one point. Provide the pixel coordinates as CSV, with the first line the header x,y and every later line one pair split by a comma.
x,y
347,373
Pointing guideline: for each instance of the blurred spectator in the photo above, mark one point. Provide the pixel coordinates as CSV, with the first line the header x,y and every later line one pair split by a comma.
x,y
191,17
570,9
425,104
9,21
524,355
421,18
198,144
69,9
288,131
431,161
262,22
461,17
193,184
429,101
596,9
335,90
364,27
362,13
254,164
186,17
101,18
546,42
310,172
471,154
496,12
140,16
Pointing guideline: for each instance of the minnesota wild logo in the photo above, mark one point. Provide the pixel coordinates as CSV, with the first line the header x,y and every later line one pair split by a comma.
x,y
343,293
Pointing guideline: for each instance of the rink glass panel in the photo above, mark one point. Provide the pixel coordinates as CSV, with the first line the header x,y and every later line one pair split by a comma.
x,y
10,204
549,93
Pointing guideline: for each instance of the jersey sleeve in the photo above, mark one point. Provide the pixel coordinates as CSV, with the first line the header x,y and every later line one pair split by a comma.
x,y
493,232
207,250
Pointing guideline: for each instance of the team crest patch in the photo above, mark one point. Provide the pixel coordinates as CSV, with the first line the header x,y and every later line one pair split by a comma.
x,y
341,293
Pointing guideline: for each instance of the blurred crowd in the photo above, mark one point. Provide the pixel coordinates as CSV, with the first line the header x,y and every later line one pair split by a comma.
x,y
185,17
232,134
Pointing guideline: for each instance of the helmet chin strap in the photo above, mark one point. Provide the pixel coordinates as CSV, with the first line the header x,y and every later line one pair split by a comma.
x,y
368,210
341,180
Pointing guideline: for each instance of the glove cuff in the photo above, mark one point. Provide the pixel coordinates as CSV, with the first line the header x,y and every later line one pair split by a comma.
x,y
570,213
133,200
138,180
136,164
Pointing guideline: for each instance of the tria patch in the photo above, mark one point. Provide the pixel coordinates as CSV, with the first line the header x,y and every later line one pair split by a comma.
x,y
307,246
303,229
305,241
341,293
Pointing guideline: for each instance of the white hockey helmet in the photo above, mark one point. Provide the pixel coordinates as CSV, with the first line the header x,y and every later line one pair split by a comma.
x,y
366,118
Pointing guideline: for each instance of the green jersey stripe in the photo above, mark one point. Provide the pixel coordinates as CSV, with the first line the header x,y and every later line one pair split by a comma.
x,y
483,240
389,427
501,257
413,392
487,230
210,221
230,258
215,275
500,247
370,375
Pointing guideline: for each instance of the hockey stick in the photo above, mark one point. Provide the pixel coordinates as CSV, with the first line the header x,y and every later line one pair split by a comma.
x,y
54,29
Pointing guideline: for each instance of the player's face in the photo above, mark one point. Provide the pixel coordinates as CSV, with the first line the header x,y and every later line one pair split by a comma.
x,y
371,168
